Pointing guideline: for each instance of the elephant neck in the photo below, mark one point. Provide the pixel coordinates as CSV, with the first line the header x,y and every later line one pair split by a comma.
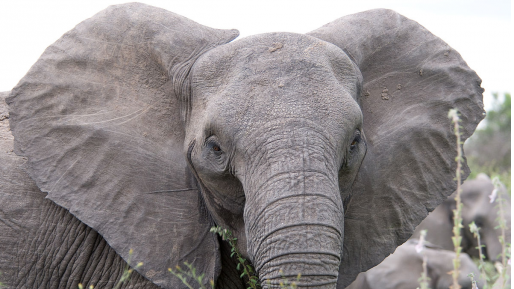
x,y
59,251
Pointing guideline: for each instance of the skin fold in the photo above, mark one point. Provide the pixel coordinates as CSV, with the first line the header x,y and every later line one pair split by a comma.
x,y
321,152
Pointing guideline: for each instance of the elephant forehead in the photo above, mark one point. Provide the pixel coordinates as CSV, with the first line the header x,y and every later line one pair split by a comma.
x,y
284,60
276,75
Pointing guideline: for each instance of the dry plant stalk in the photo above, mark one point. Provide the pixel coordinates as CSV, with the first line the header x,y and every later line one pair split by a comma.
x,y
183,275
457,219
473,228
498,195
420,248
473,282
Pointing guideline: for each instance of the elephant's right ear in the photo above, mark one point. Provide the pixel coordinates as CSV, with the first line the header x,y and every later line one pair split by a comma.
x,y
411,79
100,117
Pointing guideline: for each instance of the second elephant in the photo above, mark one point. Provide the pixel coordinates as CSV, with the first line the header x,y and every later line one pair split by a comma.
x,y
478,208
403,268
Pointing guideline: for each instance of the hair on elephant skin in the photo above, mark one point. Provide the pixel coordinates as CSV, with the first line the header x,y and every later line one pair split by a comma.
x,y
141,129
477,207
403,268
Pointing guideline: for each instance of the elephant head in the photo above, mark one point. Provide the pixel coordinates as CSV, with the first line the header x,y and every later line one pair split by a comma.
x,y
480,206
477,207
321,152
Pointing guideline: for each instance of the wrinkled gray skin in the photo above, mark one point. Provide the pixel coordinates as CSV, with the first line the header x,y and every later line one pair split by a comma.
x,y
403,268
283,160
39,236
321,152
476,208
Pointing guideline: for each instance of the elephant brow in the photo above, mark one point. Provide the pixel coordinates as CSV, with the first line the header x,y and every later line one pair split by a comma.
x,y
170,191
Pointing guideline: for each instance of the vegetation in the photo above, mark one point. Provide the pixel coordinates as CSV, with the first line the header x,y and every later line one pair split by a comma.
x,y
473,228
247,270
488,150
183,275
473,282
242,264
457,213
424,279
125,276
502,225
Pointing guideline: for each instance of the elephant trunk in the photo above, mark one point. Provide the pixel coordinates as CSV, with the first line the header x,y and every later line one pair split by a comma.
x,y
298,235
295,223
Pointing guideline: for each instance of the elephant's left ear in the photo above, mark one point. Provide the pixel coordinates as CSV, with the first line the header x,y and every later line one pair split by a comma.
x,y
411,79
100,118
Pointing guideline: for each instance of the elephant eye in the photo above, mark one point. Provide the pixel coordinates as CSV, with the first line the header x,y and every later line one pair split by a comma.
x,y
356,139
214,147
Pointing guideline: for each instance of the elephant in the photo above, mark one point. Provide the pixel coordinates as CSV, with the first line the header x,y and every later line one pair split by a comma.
x,y
403,269
477,207
141,129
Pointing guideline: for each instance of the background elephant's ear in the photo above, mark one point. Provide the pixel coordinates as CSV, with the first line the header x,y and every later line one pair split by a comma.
x,y
411,79
100,118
